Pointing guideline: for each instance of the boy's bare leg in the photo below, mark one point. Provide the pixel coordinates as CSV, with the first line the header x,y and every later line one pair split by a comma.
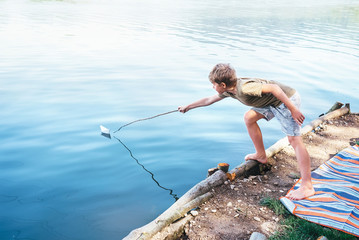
x,y
250,119
306,188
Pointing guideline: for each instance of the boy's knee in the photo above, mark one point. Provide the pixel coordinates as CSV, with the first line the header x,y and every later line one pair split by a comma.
x,y
251,117
248,117
294,140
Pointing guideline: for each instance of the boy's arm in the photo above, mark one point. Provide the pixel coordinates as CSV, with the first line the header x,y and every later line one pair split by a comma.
x,y
278,93
200,103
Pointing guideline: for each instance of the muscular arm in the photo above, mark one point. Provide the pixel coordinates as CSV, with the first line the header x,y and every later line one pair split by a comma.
x,y
278,93
200,103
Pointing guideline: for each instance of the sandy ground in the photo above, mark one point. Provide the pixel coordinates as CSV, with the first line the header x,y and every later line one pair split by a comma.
x,y
235,210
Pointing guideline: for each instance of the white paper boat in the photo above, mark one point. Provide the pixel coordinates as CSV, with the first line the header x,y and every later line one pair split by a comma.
x,y
104,130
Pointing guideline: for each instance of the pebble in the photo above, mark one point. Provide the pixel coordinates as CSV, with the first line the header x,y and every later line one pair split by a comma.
x,y
294,175
214,210
322,238
276,219
251,177
232,187
229,204
257,236
257,219
194,213
206,209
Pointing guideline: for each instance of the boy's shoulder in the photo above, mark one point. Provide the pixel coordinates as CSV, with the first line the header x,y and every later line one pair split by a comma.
x,y
244,80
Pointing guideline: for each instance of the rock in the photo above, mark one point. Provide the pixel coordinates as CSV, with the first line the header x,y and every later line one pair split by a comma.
x,y
229,204
251,177
257,236
194,213
322,238
294,175
257,219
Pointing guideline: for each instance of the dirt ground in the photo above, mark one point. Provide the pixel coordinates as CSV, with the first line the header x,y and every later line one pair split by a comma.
x,y
235,210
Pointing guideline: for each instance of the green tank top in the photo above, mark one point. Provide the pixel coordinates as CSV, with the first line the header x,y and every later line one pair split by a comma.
x,y
249,92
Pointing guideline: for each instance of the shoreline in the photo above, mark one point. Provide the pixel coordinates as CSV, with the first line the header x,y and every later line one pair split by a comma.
x,y
216,198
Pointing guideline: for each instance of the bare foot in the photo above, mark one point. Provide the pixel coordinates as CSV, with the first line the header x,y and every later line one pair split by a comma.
x,y
256,157
301,193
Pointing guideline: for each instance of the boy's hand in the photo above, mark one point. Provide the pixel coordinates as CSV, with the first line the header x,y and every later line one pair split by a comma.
x,y
183,109
298,116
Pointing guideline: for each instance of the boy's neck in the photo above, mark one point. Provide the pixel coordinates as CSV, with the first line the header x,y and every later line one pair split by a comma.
x,y
232,90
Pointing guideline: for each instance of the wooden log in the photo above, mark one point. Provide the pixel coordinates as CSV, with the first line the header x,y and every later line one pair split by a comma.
x,y
174,230
334,114
244,168
336,106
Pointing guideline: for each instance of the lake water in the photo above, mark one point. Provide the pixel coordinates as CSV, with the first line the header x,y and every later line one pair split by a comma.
x,y
67,67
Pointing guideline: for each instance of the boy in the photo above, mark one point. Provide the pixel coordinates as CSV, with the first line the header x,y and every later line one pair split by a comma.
x,y
269,99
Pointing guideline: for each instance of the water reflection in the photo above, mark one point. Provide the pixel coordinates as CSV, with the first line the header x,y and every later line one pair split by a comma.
x,y
152,175
106,135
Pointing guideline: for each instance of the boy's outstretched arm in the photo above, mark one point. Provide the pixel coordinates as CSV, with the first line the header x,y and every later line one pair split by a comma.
x,y
278,93
200,103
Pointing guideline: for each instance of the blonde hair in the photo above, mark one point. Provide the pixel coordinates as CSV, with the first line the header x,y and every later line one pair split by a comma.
x,y
225,73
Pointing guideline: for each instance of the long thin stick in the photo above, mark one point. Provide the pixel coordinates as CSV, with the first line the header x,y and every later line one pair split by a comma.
x,y
143,119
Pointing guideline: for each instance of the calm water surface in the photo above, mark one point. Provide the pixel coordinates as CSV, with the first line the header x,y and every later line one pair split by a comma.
x,y
67,67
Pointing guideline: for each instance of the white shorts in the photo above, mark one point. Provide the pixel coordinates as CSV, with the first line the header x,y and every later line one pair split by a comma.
x,y
289,126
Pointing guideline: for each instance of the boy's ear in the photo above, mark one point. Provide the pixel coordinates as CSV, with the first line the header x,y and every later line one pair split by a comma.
x,y
223,85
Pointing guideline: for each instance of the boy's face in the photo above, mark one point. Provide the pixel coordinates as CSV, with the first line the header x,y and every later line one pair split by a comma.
x,y
219,87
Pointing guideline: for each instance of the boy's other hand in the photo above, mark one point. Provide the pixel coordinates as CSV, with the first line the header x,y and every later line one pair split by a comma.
x,y
298,116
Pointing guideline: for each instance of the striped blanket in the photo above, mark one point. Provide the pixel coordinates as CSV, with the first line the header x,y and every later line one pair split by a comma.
x,y
336,201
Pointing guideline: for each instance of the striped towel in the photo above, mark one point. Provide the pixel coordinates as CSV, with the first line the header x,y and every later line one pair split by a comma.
x,y
336,200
